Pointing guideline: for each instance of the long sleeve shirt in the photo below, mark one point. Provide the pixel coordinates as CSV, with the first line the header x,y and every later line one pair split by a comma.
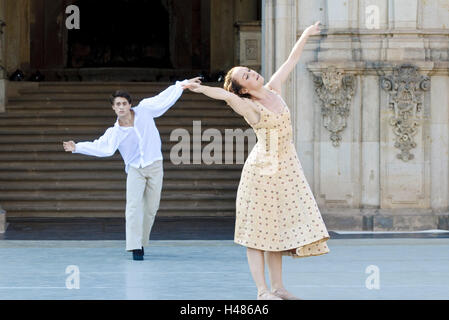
x,y
139,145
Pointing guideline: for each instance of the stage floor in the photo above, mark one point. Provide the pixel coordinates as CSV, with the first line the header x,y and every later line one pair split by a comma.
x,y
383,268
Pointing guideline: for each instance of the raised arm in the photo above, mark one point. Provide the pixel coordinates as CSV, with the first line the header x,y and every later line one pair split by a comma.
x,y
160,103
286,68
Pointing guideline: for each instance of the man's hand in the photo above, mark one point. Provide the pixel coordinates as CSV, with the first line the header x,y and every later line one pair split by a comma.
x,y
190,81
69,146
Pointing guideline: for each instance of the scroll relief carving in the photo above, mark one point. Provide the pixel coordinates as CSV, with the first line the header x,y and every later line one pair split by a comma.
x,y
335,91
406,91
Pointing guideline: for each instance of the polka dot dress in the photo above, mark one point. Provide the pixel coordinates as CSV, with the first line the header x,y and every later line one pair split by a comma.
x,y
275,207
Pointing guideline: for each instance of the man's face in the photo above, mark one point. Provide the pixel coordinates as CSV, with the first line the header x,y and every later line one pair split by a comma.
x,y
121,106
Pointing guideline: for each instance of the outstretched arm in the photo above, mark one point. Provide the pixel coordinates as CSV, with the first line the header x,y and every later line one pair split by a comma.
x,y
104,146
284,70
239,105
159,104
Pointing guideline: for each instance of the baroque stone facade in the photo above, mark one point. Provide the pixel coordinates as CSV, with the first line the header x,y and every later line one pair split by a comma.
x,y
369,100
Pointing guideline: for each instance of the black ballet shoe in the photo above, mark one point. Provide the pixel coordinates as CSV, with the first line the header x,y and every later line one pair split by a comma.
x,y
137,254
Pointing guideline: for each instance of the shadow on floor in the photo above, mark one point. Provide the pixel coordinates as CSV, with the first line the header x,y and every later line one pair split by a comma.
x,y
164,228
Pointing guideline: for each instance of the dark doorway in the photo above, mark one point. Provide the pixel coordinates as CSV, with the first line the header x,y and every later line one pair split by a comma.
x,y
134,34
125,33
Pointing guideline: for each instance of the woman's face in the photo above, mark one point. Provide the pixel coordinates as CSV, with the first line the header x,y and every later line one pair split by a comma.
x,y
248,79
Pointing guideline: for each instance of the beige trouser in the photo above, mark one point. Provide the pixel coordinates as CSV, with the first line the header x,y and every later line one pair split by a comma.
x,y
143,194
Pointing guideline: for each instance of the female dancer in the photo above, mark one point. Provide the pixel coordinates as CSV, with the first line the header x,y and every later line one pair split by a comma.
x,y
276,212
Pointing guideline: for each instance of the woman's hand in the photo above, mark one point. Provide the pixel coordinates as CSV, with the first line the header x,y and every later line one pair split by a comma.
x,y
194,86
279,77
196,80
313,29
185,84
69,146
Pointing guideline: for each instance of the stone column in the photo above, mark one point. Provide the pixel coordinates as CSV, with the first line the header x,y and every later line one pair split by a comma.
x,y
3,224
221,35
278,38
439,131
2,91
370,148
2,59
17,52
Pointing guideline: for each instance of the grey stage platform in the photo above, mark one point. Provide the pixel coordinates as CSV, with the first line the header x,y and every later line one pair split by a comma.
x,y
408,268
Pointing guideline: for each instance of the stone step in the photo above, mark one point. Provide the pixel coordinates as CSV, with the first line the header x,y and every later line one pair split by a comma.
x,y
112,195
108,114
27,157
97,130
106,164
98,89
74,185
183,104
95,97
119,213
108,174
56,136
113,205
52,87
28,160
55,147
39,179
100,121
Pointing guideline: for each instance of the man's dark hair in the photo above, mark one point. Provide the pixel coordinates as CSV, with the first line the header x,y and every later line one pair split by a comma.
x,y
121,94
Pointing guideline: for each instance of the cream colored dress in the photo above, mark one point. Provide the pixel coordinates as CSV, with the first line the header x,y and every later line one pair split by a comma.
x,y
275,207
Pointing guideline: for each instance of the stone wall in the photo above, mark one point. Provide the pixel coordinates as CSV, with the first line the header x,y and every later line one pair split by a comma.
x,y
369,100
17,35
3,99
225,15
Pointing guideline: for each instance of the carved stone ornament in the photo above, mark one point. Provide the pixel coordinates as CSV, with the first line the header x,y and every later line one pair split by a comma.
x,y
406,90
335,91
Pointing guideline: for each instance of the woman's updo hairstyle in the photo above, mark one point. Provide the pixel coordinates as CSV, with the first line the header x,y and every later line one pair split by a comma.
x,y
233,86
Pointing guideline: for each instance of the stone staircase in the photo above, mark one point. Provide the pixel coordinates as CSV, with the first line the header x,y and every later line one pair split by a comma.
x,y
39,179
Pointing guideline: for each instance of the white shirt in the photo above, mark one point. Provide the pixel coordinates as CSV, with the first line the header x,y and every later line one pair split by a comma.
x,y
139,145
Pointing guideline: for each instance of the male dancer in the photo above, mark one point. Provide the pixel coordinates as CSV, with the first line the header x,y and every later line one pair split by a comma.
x,y
136,137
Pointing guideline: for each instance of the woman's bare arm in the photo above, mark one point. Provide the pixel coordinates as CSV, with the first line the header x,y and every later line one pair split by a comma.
x,y
239,105
286,68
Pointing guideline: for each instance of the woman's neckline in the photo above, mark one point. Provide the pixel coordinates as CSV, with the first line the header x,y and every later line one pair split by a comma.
x,y
282,101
